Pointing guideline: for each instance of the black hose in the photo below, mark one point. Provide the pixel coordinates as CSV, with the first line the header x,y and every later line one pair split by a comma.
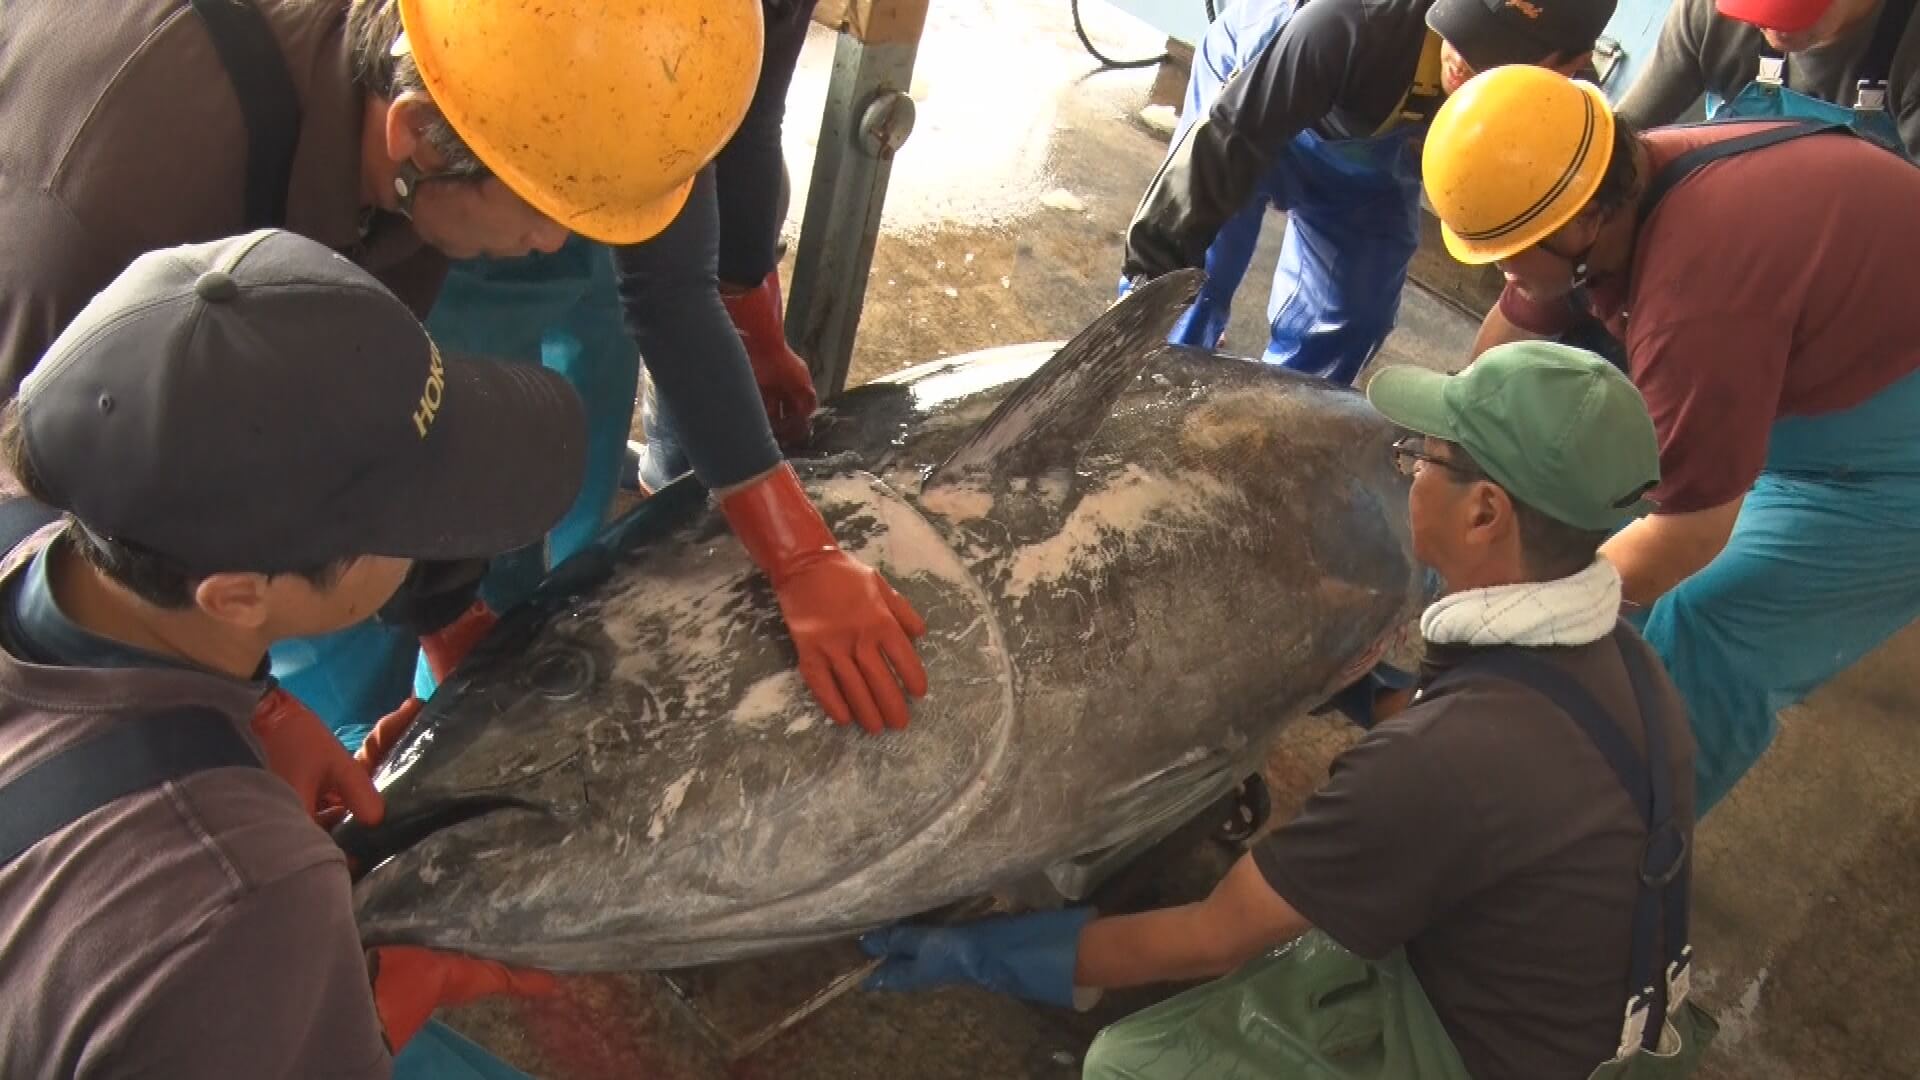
x,y
1108,62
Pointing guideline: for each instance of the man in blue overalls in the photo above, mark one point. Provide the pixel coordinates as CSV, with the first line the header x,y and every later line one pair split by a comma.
x,y
1317,109
1841,61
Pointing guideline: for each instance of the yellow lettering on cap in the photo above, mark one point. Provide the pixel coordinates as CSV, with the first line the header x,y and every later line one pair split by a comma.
x,y
433,394
1531,11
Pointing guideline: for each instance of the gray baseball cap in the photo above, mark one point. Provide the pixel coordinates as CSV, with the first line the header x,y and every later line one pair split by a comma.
x,y
1490,33
262,404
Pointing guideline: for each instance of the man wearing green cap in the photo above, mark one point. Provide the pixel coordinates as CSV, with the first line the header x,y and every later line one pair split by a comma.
x,y
1475,890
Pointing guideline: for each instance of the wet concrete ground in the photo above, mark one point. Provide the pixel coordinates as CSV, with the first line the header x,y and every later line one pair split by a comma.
x,y
1004,225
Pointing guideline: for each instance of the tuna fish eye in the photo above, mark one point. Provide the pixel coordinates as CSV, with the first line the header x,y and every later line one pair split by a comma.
x,y
561,674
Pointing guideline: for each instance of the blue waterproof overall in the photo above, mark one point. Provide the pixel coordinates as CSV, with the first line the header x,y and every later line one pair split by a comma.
x,y
1352,209
560,310
1819,571
1767,95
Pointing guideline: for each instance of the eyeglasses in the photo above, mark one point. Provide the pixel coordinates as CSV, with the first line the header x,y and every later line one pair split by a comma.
x,y
1408,455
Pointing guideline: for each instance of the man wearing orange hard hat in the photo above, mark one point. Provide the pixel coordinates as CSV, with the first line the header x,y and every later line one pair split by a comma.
x,y
613,154
1760,274
403,136
406,134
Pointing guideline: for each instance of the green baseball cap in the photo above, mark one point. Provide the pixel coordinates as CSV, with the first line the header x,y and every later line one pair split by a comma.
x,y
1559,428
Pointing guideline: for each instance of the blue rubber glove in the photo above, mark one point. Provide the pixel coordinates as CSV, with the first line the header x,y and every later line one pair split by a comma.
x,y
1028,956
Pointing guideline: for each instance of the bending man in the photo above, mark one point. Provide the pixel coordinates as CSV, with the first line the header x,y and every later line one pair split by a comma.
x,y
1781,362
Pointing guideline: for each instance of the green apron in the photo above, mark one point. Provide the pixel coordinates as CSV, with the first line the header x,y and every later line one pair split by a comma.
x,y
1314,1011
1309,1011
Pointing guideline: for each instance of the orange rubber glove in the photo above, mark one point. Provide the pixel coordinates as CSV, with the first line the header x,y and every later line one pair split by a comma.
x,y
853,632
410,982
373,750
786,386
302,751
446,647
386,732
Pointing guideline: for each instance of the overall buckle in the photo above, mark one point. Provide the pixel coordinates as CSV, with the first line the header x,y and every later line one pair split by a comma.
x,y
1633,1028
1665,855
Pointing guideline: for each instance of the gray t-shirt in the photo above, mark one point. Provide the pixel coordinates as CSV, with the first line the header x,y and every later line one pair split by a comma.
x,y
1700,50
200,929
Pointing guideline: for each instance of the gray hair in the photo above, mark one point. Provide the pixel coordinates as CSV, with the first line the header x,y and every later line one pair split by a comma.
x,y
373,27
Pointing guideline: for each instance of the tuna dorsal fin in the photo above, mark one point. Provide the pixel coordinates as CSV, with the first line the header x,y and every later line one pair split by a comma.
x,y
1046,422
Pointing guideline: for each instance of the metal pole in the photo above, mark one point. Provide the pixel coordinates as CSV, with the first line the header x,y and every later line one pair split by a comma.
x,y
868,117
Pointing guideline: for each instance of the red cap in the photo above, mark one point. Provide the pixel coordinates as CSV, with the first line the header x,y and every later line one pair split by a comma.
x,y
1786,16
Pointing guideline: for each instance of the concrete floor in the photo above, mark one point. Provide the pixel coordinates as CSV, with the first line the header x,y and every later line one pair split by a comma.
x,y
1004,225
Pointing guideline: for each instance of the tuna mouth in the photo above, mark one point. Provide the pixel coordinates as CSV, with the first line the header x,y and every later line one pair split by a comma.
x,y
367,846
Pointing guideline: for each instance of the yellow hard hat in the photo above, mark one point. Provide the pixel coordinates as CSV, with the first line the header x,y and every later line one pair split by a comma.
x,y
598,114
1512,156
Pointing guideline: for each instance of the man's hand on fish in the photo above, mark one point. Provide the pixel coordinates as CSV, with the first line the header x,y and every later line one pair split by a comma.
x,y
304,752
446,647
328,781
1027,956
853,632
1068,957
387,732
786,388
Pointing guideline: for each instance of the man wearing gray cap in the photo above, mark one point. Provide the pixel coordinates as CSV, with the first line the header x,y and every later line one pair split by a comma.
x,y
250,440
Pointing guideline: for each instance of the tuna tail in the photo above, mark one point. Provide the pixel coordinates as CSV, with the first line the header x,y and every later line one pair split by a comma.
x,y
367,846
1048,421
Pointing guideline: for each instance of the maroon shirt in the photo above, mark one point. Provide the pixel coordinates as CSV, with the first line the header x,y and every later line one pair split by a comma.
x,y
1781,282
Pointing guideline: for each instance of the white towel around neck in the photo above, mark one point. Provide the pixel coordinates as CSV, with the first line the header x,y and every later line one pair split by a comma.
x,y
1577,610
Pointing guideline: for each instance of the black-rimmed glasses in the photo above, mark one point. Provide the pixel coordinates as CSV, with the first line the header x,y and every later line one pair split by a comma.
x,y
1409,452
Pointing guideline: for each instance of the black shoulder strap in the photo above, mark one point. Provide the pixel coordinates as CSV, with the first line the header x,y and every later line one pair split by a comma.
x,y
269,104
1664,870
134,755
1701,156
1888,29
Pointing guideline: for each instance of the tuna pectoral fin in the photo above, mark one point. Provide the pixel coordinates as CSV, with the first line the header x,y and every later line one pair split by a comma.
x,y
367,846
1045,423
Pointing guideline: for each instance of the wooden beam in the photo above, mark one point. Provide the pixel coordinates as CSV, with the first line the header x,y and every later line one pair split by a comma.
x,y
875,22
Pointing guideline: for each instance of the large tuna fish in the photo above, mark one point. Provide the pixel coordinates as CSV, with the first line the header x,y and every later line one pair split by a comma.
x,y
1136,564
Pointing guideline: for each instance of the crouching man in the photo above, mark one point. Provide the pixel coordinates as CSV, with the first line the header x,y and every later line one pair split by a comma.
x,y
1486,880
251,440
